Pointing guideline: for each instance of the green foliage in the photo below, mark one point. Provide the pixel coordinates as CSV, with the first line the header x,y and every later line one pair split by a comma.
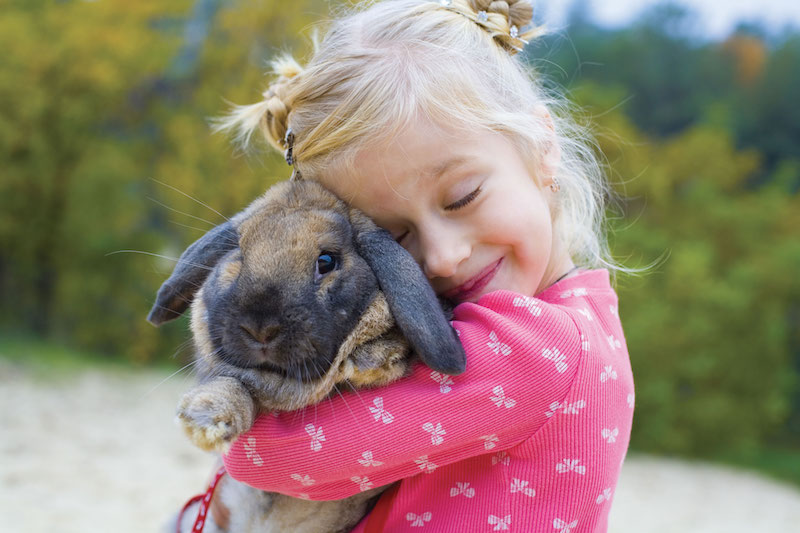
x,y
96,99
709,327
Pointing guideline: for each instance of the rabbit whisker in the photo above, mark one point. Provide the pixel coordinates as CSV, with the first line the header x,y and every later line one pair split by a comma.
x,y
177,260
185,367
188,226
165,206
357,394
189,197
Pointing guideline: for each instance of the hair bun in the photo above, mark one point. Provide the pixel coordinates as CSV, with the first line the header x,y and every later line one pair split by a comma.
x,y
520,13
502,19
480,5
499,7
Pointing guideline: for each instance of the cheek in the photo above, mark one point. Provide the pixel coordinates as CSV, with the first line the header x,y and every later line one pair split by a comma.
x,y
229,273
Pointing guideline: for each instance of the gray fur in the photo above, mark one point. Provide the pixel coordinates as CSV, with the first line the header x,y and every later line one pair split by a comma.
x,y
274,330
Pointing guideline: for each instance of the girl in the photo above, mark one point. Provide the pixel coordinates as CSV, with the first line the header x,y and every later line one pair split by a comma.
x,y
417,113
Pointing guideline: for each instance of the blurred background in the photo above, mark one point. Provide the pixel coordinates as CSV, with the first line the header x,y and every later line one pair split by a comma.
x,y
104,137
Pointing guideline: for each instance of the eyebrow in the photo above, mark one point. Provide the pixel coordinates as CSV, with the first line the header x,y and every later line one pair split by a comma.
x,y
436,171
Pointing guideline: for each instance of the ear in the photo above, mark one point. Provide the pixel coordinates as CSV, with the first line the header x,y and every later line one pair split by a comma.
x,y
551,154
411,299
194,266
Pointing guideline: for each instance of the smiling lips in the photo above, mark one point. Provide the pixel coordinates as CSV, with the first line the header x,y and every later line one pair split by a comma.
x,y
473,286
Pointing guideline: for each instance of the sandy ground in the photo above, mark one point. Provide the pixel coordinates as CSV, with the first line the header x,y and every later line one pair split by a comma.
x,y
99,452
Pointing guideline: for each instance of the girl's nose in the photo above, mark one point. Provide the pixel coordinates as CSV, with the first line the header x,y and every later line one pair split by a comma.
x,y
443,251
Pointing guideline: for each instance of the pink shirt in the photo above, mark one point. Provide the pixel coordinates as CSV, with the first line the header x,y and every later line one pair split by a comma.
x,y
531,438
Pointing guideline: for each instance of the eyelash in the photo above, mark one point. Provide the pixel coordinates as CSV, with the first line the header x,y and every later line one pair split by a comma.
x,y
452,207
464,201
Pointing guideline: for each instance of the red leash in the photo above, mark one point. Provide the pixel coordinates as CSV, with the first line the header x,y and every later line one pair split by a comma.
x,y
205,501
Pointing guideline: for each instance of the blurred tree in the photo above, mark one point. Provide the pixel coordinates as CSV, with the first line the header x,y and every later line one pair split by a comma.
x,y
656,59
710,327
120,94
768,116
54,101
749,56
674,79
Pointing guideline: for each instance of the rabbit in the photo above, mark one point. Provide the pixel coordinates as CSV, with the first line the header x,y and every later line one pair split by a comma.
x,y
295,296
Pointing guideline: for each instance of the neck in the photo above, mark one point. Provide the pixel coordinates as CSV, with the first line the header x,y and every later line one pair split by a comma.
x,y
559,267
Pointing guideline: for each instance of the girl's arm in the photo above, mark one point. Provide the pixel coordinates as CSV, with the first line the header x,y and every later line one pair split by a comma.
x,y
522,355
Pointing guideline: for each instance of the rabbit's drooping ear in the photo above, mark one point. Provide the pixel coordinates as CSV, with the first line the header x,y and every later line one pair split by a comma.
x,y
194,266
411,299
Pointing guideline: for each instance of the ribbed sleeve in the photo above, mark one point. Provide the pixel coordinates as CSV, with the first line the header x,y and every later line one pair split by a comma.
x,y
531,435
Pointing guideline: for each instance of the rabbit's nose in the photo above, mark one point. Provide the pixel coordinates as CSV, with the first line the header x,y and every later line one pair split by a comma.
x,y
262,333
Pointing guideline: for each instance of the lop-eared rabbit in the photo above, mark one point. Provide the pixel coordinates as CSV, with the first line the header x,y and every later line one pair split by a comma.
x,y
292,298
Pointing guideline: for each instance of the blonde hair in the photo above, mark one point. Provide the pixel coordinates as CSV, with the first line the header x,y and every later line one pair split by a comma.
x,y
380,67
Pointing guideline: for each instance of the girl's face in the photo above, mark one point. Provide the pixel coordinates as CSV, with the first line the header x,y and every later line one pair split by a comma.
x,y
464,205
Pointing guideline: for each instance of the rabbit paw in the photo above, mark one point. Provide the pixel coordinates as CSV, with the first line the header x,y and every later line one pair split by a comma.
x,y
213,421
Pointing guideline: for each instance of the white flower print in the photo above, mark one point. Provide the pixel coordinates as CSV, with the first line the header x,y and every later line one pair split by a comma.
x,y
554,407
614,342
443,380
519,485
305,480
425,465
501,458
610,435
418,520
250,452
570,465
608,373
490,441
379,413
528,303
436,432
604,496
462,488
574,407
574,292
584,344
500,399
614,310
317,437
566,408
557,357
564,527
367,460
497,346
500,524
631,399
303,496
585,312
363,483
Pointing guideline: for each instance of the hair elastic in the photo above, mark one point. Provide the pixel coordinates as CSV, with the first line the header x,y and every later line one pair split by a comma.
x,y
288,143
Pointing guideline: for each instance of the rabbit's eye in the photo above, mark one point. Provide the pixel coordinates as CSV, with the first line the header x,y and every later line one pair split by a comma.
x,y
327,262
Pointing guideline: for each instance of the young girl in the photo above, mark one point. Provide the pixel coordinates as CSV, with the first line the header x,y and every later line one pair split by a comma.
x,y
417,113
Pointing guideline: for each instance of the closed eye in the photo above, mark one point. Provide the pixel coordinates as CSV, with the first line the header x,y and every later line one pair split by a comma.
x,y
464,201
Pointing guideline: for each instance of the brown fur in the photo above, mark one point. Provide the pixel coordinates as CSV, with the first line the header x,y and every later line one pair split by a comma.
x,y
280,237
